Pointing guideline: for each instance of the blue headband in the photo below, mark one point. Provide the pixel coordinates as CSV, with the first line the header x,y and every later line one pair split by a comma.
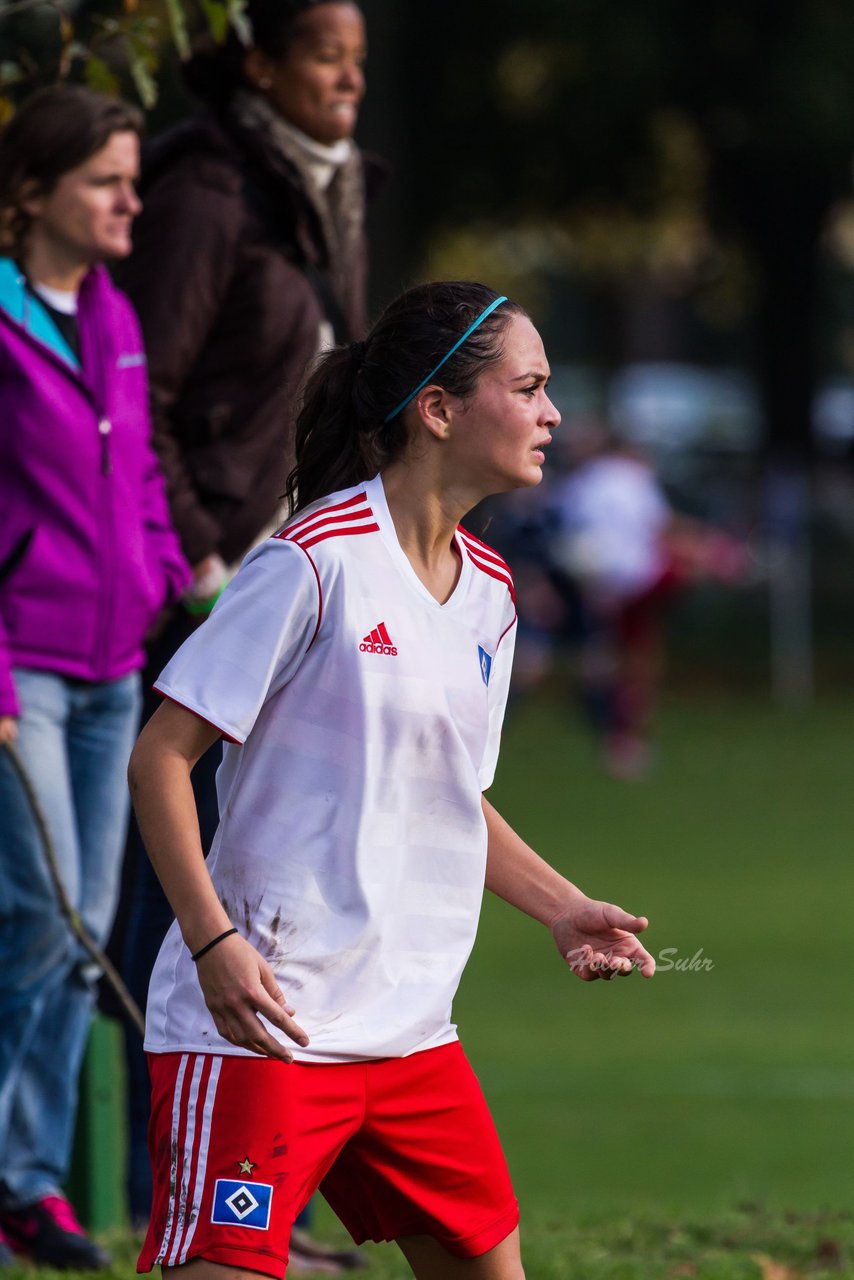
x,y
469,331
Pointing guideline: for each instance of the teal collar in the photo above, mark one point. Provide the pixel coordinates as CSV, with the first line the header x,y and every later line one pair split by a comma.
x,y
21,304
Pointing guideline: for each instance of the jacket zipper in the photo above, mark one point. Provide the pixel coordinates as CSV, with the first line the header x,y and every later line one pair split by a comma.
x,y
107,516
104,429
107,554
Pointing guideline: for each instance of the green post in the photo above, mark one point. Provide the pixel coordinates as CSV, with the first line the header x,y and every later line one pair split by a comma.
x,y
96,1182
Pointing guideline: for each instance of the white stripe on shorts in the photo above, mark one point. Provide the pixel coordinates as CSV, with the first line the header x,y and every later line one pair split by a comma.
x,y
185,1173
173,1158
202,1160
186,1159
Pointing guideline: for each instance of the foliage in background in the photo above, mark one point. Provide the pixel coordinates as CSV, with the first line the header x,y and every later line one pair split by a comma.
x,y
679,161
114,47
656,180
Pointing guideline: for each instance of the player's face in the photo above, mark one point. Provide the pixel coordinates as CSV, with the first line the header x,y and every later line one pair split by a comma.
x,y
505,426
88,215
320,82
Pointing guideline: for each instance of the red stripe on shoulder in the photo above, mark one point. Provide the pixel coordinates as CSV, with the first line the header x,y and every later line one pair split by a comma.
x,y
339,531
486,551
297,524
493,572
490,564
343,523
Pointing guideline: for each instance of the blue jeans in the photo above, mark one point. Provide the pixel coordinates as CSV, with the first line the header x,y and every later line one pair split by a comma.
x,y
74,741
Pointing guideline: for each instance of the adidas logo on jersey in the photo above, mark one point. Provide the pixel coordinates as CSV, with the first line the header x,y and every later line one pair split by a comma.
x,y
378,641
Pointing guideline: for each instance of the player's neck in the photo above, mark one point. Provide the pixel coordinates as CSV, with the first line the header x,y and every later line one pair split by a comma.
x,y
424,522
48,264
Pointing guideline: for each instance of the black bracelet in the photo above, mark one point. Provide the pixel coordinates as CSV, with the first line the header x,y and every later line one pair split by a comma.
x,y
206,948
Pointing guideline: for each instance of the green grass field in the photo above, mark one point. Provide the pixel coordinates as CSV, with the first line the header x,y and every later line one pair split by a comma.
x,y
699,1089
701,1124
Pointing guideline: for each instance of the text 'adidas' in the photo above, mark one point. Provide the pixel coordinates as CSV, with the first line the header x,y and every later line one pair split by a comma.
x,y
378,641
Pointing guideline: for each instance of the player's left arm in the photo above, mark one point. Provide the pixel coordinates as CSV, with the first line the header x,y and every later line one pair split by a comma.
x,y
597,939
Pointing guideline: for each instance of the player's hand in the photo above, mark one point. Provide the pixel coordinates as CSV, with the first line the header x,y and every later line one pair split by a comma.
x,y
8,729
598,940
209,577
238,985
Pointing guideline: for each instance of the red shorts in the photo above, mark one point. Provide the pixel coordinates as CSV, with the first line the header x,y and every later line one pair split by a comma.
x,y
398,1146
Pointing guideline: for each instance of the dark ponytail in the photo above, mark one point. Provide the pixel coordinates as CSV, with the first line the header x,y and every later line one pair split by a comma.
x,y
342,436
332,451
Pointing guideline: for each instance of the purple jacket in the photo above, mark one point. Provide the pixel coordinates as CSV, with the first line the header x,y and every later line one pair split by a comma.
x,y
88,555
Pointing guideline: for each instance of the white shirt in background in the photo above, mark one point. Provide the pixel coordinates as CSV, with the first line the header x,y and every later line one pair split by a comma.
x,y
613,513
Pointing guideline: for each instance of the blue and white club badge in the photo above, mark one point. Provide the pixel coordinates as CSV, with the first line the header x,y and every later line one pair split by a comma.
x,y
242,1204
485,660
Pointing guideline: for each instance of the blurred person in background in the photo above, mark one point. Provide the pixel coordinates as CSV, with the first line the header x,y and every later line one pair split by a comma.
x,y
89,559
626,554
249,258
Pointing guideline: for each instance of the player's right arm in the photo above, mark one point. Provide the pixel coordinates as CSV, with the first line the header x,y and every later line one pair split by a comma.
x,y
237,983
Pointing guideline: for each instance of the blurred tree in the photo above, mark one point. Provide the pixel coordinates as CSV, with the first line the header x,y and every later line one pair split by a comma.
x,y
113,45
655,149
687,139
770,89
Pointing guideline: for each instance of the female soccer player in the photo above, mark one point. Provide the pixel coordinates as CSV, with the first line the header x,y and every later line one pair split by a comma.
x,y
357,668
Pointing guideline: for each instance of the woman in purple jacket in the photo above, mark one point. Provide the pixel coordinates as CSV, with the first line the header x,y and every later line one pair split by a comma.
x,y
88,558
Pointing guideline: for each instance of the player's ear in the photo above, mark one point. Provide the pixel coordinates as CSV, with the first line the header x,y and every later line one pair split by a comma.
x,y
434,407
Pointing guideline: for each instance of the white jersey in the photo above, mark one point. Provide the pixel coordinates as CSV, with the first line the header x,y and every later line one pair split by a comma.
x,y
362,721
613,513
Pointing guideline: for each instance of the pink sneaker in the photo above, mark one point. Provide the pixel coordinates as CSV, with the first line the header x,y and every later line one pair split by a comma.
x,y
48,1231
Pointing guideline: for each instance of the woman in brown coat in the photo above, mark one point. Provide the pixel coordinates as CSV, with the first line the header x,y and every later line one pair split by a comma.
x,y
249,258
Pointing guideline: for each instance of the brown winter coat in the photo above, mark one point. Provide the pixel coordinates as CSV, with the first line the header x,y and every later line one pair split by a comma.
x,y
227,275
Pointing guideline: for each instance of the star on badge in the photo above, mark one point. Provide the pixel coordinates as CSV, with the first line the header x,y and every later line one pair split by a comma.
x,y
246,1165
